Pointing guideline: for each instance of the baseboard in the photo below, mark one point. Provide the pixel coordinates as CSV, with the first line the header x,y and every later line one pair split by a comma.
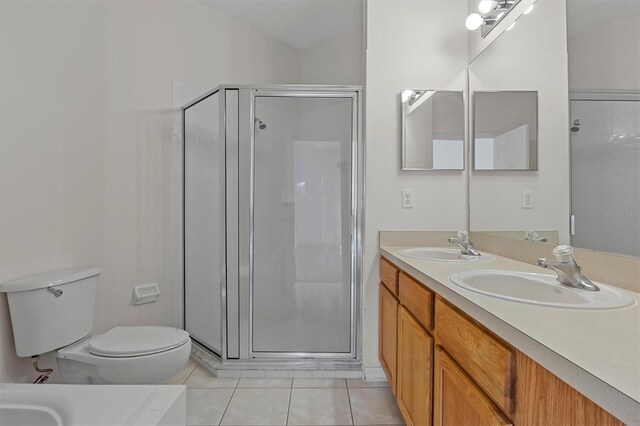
x,y
374,374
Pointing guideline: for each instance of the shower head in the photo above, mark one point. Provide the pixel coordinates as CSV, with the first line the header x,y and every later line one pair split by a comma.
x,y
261,124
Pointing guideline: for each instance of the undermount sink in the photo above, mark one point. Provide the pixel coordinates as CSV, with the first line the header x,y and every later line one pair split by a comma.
x,y
443,255
540,289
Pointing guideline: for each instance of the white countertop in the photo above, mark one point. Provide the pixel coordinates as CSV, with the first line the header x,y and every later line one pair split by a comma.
x,y
595,351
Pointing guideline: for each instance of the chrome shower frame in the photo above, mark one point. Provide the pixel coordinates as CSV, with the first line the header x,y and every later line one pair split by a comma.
x,y
237,104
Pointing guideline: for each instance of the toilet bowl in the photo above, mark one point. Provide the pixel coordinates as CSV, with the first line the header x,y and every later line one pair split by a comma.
x,y
125,355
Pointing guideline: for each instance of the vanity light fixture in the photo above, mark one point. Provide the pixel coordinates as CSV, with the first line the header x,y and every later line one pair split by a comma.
x,y
474,21
491,11
411,96
486,6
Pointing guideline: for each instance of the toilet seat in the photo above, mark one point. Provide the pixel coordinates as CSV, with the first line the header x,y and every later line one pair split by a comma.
x,y
123,342
82,351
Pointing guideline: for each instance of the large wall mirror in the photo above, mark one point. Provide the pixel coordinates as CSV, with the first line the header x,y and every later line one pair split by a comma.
x,y
433,129
581,59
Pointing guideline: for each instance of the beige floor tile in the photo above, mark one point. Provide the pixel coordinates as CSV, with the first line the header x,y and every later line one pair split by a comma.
x,y
258,407
206,406
247,382
319,406
359,383
182,376
374,406
319,383
201,378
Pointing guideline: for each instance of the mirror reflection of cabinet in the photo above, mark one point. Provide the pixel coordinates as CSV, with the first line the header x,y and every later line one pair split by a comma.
x,y
433,129
505,129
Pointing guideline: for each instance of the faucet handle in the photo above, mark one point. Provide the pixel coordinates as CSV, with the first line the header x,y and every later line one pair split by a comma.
x,y
563,253
463,235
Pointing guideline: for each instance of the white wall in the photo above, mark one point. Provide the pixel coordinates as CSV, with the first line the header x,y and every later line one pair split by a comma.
x,y
52,115
606,57
532,56
85,151
338,60
419,44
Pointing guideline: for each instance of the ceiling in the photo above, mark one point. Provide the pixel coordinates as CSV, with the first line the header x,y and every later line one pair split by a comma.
x,y
299,23
585,14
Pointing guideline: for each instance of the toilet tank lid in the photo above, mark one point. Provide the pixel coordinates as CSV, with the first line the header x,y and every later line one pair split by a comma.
x,y
49,279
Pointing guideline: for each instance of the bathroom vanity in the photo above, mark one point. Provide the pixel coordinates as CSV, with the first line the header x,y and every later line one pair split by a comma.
x,y
453,356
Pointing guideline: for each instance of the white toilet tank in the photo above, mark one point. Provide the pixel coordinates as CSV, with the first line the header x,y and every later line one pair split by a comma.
x,y
51,310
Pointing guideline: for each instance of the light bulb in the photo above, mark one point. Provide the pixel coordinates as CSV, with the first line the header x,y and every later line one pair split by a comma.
x,y
406,94
486,6
473,22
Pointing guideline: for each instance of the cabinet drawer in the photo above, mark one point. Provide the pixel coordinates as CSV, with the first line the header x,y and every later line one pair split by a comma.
x,y
489,362
389,275
417,299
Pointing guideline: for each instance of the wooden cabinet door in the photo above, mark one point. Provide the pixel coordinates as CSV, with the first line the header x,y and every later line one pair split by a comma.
x,y
458,400
415,366
387,339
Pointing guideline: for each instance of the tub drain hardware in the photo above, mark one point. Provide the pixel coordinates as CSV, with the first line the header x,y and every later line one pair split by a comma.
x,y
44,372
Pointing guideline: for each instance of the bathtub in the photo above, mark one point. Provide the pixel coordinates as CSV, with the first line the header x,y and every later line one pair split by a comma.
x,y
88,405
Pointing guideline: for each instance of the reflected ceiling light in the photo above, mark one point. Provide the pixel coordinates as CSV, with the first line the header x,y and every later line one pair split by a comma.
x,y
491,11
406,94
529,9
474,21
486,6
510,27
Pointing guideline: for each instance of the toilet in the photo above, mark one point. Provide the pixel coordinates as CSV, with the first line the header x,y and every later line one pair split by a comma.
x,y
54,311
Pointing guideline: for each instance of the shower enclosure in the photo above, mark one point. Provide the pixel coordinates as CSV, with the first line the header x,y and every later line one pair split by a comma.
x,y
272,222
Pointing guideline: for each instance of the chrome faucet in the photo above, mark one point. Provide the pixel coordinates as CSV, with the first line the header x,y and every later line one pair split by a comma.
x,y
569,272
466,246
534,236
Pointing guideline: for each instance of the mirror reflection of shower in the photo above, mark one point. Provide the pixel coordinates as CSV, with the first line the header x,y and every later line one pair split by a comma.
x,y
261,124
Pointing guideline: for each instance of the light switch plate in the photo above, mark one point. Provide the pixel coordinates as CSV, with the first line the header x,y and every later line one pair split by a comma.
x,y
407,198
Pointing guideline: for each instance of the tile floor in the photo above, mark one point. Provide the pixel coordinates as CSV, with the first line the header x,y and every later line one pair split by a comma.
x,y
247,401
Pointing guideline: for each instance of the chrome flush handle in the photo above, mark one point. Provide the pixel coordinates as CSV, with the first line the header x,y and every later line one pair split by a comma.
x,y
55,291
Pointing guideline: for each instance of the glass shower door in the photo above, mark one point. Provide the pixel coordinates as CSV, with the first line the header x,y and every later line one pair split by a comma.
x,y
204,252
302,287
